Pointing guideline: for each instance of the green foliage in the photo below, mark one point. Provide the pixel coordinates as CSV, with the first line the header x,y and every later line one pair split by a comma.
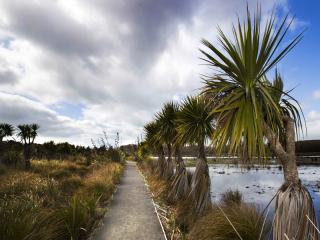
x,y
6,130
166,122
71,184
12,158
143,152
194,123
17,218
28,132
48,203
3,169
151,132
243,99
74,216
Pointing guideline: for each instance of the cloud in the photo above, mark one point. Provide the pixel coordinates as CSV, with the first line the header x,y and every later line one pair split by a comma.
x,y
316,94
313,124
109,64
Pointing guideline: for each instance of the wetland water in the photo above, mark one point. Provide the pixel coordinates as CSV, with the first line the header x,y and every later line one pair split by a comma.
x,y
259,184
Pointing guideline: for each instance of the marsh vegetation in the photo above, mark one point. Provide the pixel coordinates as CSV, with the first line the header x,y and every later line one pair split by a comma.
x,y
244,109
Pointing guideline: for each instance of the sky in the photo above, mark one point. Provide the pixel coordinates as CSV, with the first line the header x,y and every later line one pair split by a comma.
x,y
78,67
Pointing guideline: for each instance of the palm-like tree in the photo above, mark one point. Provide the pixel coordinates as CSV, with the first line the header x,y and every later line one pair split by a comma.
x,y
195,126
6,130
27,134
155,143
167,133
250,109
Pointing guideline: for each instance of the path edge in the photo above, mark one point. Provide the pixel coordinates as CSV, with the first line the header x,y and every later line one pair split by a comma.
x,y
153,203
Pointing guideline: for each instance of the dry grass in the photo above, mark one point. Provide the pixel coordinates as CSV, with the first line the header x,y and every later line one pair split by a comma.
x,y
41,203
231,222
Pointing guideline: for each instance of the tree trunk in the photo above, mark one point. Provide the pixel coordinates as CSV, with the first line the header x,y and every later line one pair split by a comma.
x,y
26,153
293,203
200,183
161,161
287,158
178,157
180,185
169,169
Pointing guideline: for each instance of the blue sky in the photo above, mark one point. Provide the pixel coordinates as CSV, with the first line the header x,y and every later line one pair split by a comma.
x,y
301,66
78,67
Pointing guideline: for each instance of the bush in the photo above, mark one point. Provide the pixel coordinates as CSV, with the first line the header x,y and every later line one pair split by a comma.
x,y
230,197
17,218
246,219
12,158
3,169
71,184
74,218
60,173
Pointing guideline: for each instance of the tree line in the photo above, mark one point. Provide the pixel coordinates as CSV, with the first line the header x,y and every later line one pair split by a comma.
x,y
243,109
21,147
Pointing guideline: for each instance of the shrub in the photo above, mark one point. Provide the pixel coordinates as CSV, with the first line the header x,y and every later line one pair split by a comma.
x,y
71,184
101,182
17,218
221,222
60,173
73,219
12,158
3,169
230,197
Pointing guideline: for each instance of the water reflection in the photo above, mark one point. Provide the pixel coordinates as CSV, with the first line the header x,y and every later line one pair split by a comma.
x,y
259,185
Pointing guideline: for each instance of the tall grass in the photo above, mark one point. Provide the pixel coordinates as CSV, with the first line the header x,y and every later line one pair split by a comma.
x,y
232,221
55,200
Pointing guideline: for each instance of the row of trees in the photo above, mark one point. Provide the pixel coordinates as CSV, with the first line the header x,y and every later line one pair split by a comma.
x,y
27,134
240,109
10,150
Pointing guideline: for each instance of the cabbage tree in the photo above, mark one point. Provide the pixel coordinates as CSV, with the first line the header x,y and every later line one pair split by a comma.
x,y
252,110
194,125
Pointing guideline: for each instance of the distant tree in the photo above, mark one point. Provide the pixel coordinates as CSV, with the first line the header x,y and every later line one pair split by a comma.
x,y
156,145
6,130
167,132
27,134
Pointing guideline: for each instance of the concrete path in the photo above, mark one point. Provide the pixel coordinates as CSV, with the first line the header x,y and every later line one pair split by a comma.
x,y
131,215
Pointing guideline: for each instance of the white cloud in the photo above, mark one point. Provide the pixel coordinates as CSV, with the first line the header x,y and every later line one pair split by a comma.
x,y
316,94
120,60
313,124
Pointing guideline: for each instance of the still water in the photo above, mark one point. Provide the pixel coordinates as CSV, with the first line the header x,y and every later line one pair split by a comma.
x,y
259,184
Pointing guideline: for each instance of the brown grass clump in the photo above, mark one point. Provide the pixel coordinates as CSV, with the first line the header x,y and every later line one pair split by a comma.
x,y
232,221
159,187
184,215
102,181
230,197
55,199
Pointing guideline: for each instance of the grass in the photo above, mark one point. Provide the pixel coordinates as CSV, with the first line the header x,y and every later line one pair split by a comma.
x,y
227,221
55,199
231,221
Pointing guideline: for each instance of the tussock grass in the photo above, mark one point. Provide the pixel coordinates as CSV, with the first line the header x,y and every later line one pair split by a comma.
x,y
230,197
232,221
227,221
55,200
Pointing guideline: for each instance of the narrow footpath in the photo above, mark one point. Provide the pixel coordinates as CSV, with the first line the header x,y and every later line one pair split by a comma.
x,y
131,215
